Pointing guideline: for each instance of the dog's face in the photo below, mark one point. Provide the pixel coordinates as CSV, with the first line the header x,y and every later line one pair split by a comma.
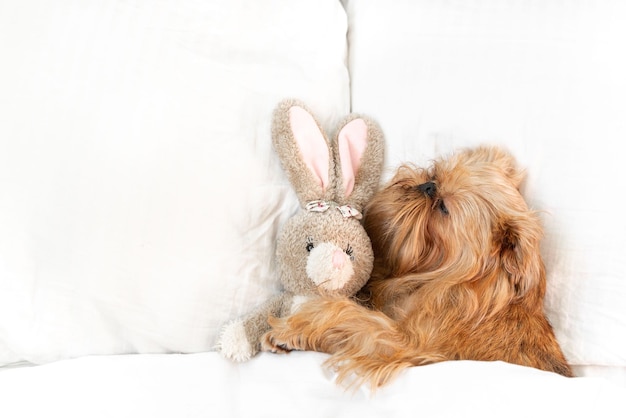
x,y
463,218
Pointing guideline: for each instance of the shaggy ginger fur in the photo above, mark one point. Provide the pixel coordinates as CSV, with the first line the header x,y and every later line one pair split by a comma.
x,y
458,276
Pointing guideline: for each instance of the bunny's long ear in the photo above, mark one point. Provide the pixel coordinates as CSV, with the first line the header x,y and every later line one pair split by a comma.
x,y
304,151
359,157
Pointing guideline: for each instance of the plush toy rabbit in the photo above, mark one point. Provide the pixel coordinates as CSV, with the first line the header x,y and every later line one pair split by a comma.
x,y
323,249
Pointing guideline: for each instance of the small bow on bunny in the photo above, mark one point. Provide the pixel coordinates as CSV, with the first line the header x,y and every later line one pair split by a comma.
x,y
322,206
319,251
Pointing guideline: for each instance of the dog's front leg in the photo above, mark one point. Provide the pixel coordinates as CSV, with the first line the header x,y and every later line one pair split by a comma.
x,y
334,325
362,341
281,338
316,326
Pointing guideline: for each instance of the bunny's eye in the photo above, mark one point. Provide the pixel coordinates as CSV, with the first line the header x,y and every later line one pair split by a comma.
x,y
350,252
309,245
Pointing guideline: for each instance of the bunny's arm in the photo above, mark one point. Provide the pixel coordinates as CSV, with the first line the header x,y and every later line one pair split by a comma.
x,y
240,339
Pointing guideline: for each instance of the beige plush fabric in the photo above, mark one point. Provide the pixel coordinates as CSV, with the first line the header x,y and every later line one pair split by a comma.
x,y
322,249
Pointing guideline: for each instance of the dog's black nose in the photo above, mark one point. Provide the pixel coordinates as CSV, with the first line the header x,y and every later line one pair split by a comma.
x,y
428,189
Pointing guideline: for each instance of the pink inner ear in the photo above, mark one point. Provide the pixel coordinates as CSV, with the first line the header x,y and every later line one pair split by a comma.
x,y
311,142
352,144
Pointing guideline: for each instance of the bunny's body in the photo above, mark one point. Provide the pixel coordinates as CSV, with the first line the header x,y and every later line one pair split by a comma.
x,y
323,249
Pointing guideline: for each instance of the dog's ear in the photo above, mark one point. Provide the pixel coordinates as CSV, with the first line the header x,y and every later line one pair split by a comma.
x,y
517,242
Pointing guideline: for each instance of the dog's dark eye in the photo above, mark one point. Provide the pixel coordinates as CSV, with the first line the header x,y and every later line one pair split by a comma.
x,y
309,245
442,207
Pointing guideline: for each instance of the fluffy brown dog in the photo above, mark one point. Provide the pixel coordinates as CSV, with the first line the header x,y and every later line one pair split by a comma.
x,y
458,276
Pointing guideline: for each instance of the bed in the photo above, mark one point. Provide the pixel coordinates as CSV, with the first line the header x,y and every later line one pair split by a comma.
x,y
140,196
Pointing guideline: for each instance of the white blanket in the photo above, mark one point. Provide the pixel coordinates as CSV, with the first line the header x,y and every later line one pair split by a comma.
x,y
205,385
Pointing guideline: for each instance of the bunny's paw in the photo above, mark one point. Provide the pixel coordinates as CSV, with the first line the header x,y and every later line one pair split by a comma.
x,y
233,343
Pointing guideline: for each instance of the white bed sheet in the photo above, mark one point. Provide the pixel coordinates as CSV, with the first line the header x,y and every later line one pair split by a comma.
x,y
205,385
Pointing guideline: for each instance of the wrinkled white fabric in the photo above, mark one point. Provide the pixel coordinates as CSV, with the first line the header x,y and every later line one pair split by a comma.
x,y
203,385
140,195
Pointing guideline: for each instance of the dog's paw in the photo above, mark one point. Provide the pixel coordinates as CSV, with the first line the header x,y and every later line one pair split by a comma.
x,y
271,342
233,343
282,337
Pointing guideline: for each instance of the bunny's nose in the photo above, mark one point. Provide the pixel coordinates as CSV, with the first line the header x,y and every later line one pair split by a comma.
x,y
339,259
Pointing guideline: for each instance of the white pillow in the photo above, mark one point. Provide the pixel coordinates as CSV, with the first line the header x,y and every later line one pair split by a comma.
x,y
547,80
139,194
